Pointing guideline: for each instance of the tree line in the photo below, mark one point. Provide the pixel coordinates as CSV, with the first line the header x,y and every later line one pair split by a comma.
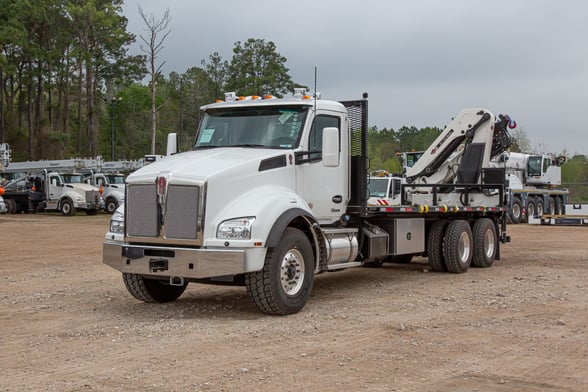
x,y
67,80
68,86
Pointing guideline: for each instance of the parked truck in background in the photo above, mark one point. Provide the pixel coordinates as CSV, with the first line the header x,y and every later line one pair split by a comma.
x,y
48,191
384,189
112,186
534,184
275,191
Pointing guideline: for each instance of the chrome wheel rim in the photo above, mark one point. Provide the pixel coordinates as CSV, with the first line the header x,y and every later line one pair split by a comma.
x,y
465,247
489,243
292,271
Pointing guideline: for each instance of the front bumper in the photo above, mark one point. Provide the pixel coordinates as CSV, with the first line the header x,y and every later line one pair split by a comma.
x,y
181,262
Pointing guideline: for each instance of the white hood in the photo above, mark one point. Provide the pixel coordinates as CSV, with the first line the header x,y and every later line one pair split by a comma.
x,y
203,164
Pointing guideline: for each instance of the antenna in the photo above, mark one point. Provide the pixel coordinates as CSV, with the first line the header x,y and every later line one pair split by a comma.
x,y
315,68
315,94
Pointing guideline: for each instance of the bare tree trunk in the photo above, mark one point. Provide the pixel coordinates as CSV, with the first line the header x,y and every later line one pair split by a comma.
x,y
30,122
90,108
155,44
80,95
153,108
2,119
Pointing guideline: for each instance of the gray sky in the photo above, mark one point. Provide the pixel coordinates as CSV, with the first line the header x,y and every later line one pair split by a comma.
x,y
421,61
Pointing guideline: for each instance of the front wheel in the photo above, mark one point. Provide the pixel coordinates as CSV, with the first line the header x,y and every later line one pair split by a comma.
x,y
283,285
67,207
151,290
111,206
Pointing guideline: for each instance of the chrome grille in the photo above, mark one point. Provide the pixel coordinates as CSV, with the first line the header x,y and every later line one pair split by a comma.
x,y
181,220
92,197
142,211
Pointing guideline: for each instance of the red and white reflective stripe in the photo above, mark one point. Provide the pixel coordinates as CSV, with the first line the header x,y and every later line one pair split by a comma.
x,y
382,202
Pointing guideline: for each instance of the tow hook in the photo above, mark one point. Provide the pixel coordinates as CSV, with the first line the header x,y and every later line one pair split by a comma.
x,y
176,281
158,265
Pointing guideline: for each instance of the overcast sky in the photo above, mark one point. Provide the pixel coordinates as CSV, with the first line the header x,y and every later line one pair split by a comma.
x,y
421,61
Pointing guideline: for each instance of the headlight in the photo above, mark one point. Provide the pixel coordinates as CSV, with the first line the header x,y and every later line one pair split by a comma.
x,y
235,229
117,222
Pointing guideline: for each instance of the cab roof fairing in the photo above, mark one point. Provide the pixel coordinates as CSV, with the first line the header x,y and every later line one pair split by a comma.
x,y
320,104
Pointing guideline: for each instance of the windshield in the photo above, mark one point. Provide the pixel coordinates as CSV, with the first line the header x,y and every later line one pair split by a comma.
x,y
115,179
266,127
378,187
72,178
534,166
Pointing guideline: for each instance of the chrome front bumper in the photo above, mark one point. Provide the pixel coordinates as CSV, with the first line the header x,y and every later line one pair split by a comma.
x,y
181,262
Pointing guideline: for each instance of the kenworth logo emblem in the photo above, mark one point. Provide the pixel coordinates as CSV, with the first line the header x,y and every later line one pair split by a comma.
x,y
161,185
161,196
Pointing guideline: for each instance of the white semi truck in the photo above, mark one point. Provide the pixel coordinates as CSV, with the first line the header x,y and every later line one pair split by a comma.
x,y
112,186
274,192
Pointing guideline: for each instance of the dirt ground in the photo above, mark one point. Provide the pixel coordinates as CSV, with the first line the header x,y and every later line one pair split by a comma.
x,y
68,324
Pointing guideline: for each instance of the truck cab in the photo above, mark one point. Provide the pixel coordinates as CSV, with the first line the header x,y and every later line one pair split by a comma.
x,y
112,186
384,190
68,196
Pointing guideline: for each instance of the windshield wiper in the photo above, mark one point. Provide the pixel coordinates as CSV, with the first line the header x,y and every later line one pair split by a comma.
x,y
206,146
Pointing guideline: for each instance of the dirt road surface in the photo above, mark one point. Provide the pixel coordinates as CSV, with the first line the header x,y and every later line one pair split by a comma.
x,y
68,324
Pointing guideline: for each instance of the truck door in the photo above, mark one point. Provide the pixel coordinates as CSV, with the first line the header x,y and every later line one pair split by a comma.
x,y
55,189
325,189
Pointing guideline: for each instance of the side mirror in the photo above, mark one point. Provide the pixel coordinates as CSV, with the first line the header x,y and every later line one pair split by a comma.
x,y
172,144
331,147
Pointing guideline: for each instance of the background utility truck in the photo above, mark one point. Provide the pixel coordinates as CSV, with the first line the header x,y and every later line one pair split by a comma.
x,y
275,191
112,186
48,191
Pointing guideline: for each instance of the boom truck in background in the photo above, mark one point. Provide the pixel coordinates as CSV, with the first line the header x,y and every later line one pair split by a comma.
x,y
275,191
48,191
80,178
534,184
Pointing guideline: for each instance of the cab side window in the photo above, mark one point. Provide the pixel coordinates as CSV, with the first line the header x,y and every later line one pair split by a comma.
x,y
315,142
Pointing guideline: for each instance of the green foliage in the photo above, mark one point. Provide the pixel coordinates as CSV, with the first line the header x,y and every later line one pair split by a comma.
x,y
258,69
574,175
385,144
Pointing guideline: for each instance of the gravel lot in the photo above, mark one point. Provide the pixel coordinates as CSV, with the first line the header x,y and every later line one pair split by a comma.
x,y
68,324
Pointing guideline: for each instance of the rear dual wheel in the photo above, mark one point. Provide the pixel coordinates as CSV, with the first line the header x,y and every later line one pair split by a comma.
x,y
458,246
453,246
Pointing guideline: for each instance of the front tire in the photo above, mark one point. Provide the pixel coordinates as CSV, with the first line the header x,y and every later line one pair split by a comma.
x,y
67,207
111,206
457,246
151,290
485,243
283,285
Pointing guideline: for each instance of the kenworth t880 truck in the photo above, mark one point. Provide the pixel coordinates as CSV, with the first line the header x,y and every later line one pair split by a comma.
x,y
274,192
